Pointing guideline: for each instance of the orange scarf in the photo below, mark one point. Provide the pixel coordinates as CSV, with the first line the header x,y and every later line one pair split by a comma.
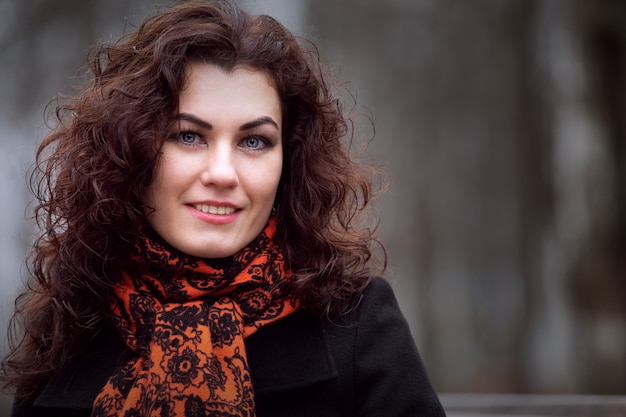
x,y
187,318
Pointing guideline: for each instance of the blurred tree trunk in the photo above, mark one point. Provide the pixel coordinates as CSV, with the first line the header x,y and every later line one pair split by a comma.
x,y
600,277
448,84
502,183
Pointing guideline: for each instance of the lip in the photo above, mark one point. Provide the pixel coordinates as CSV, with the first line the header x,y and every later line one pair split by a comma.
x,y
214,212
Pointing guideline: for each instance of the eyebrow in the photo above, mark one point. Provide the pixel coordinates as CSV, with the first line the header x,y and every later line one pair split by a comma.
x,y
258,122
195,120
246,126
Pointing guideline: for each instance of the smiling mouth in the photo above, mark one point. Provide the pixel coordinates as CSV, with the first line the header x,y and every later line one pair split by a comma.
x,y
220,210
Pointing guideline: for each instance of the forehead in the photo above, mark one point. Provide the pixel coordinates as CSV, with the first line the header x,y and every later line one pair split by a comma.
x,y
216,95
204,71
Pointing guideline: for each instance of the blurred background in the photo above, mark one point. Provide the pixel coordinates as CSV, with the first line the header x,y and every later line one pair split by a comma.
x,y
502,124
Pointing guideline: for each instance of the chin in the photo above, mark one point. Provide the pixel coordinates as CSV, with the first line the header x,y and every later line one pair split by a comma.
x,y
213,253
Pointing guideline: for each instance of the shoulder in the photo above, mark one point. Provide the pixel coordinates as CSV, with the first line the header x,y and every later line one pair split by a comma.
x,y
72,388
376,304
388,373
360,363
378,293
375,324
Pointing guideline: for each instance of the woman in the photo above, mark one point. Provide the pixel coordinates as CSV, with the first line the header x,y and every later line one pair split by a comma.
x,y
200,253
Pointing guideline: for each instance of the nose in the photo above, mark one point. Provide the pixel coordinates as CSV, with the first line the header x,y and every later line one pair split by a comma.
x,y
219,167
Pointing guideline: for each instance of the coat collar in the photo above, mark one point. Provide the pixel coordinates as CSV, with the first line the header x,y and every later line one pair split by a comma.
x,y
291,353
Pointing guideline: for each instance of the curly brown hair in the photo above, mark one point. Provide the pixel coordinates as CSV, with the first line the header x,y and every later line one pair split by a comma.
x,y
93,169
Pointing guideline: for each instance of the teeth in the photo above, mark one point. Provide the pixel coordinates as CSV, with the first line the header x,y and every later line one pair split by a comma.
x,y
221,210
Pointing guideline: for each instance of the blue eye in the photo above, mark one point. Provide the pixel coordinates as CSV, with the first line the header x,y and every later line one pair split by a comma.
x,y
188,138
255,143
252,142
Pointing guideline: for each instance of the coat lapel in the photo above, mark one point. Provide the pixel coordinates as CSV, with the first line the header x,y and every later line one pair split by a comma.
x,y
76,384
290,353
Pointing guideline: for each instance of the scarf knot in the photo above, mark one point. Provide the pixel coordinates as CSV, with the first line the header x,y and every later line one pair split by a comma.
x,y
186,318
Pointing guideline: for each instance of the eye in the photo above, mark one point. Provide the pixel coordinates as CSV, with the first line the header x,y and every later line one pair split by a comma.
x,y
188,137
255,143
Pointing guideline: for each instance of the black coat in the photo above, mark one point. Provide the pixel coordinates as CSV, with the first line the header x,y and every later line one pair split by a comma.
x,y
361,364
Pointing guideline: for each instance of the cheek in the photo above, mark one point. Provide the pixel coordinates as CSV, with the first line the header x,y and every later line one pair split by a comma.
x,y
156,189
170,178
273,176
263,183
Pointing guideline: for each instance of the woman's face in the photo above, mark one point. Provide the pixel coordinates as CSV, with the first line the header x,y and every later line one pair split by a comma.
x,y
221,163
